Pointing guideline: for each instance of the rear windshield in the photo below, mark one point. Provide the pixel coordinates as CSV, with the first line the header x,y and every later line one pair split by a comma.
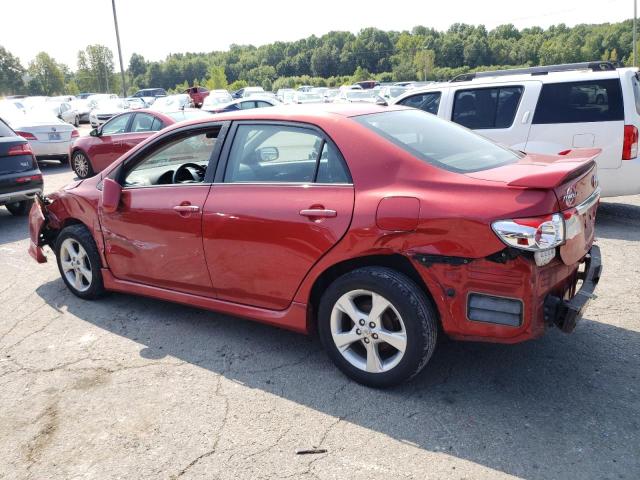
x,y
5,131
580,102
439,142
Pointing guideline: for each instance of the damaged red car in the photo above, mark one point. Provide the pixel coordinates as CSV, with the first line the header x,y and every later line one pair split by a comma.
x,y
381,229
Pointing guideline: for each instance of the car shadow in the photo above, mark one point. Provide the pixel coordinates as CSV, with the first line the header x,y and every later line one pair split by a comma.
x,y
12,228
618,221
564,406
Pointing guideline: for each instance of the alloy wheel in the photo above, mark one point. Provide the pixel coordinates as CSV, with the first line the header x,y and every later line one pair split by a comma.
x,y
368,331
76,265
81,165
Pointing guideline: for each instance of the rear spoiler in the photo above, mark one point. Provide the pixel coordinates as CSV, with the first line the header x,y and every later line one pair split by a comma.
x,y
570,164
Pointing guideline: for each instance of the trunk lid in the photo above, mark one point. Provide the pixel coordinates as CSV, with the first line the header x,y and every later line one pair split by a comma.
x,y
573,179
14,163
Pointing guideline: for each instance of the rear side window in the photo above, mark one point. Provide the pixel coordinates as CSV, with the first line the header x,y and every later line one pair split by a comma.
x,y
636,91
486,107
428,101
438,142
579,102
157,125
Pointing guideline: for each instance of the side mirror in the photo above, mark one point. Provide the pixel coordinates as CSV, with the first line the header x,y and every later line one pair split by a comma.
x,y
111,192
269,154
95,132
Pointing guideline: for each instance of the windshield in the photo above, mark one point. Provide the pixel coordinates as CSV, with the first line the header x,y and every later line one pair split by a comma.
x,y
439,142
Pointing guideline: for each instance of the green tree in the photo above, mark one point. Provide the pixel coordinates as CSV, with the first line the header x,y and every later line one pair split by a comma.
x,y
96,69
11,72
217,78
46,76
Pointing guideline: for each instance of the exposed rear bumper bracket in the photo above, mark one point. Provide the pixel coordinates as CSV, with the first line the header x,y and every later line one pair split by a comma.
x,y
566,313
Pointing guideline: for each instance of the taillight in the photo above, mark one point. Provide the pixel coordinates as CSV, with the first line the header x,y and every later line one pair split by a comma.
x,y
630,146
27,135
32,178
75,133
23,149
540,235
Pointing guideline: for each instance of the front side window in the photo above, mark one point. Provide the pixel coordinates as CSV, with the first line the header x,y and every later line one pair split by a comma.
x,y
247,105
438,142
183,160
116,125
579,102
278,153
428,101
486,108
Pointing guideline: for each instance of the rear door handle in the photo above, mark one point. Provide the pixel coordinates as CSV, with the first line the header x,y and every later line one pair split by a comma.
x,y
187,208
318,212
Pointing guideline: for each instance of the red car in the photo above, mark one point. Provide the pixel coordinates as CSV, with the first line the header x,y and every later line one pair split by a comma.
x,y
197,94
379,228
92,154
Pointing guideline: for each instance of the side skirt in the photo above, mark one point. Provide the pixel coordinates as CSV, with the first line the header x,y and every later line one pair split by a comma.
x,y
293,318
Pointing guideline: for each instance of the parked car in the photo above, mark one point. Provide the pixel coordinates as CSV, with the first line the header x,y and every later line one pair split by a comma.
x,y
305,88
105,109
245,92
48,136
172,103
285,95
20,177
62,110
244,104
215,99
149,95
382,228
92,154
197,94
356,96
389,92
550,109
85,95
83,108
62,98
367,84
135,103
307,97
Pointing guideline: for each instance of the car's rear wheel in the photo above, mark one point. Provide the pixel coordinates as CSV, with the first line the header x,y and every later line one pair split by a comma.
x,y
79,262
81,165
377,326
19,208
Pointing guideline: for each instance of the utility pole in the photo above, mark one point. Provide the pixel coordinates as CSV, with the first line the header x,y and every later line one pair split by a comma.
x,y
115,22
635,14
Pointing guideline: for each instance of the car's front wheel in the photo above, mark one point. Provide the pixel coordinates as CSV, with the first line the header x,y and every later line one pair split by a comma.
x,y
377,326
79,262
19,208
81,165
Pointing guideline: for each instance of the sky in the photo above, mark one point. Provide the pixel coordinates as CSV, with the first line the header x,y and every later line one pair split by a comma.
x,y
155,28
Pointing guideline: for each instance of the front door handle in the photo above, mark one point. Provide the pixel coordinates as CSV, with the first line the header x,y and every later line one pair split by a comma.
x,y
187,208
318,212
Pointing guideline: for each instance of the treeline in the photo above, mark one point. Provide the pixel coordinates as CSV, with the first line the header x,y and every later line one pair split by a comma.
x,y
332,59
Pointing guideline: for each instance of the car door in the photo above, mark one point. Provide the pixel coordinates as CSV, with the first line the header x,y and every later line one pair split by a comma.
x,y
282,198
155,236
108,145
141,127
501,113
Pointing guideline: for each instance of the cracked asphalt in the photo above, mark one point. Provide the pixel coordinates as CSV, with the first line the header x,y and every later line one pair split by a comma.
x,y
128,387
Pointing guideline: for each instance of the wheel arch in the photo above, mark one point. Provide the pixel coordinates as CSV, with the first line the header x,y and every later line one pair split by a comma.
x,y
397,262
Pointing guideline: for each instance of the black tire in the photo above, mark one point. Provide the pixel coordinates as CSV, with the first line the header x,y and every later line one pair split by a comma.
x,y
417,312
78,159
64,160
19,209
81,234
76,122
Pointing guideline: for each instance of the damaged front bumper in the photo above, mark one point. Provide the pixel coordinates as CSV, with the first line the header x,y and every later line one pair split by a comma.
x,y
566,313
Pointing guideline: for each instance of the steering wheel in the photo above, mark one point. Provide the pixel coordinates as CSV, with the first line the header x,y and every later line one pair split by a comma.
x,y
188,173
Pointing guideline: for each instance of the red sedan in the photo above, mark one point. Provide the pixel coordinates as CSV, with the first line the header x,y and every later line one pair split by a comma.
x,y
92,154
379,228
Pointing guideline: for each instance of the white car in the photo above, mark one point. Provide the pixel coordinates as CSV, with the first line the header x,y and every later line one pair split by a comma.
x,y
171,103
355,96
307,97
83,108
551,109
215,99
48,136
105,109
63,110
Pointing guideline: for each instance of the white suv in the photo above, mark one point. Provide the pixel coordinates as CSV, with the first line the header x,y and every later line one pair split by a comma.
x,y
550,109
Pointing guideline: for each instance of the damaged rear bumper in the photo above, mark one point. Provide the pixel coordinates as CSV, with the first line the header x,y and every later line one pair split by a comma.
x,y
566,313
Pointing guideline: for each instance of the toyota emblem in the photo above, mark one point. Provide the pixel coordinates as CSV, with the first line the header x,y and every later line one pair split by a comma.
x,y
570,197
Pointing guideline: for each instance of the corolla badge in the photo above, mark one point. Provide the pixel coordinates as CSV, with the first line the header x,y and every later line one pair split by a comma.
x,y
570,197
